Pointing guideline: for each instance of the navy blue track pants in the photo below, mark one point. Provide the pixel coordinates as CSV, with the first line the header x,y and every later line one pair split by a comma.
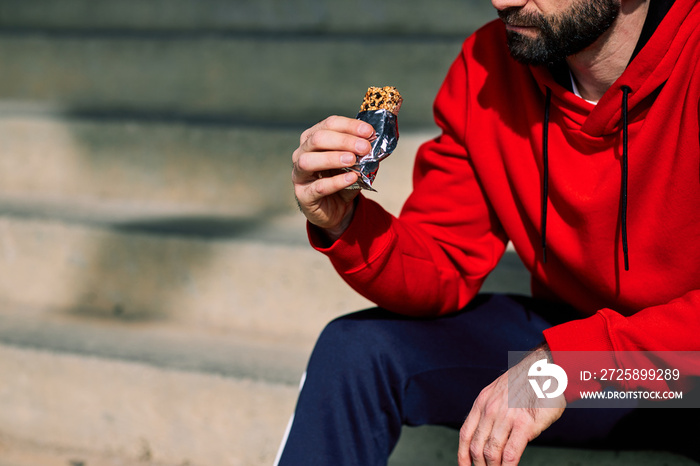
x,y
373,371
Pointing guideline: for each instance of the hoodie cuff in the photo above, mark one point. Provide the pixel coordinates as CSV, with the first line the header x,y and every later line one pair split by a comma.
x,y
365,239
589,334
582,348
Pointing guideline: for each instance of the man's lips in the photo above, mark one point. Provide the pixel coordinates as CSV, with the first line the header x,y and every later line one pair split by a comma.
x,y
521,29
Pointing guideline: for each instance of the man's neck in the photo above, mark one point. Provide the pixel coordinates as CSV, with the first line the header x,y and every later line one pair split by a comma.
x,y
596,68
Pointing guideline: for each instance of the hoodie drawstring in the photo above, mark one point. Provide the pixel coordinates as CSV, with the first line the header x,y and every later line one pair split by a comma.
x,y
545,174
623,195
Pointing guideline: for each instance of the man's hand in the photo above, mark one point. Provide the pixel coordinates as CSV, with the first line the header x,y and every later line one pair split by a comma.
x,y
319,182
496,434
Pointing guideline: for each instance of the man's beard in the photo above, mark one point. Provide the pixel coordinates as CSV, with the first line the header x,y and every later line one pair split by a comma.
x,y
559,36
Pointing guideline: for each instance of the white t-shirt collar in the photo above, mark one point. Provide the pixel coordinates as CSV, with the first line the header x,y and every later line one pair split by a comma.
x,y
574,87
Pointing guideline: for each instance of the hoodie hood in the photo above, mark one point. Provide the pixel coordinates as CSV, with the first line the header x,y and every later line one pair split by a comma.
x,y
654,60
644,76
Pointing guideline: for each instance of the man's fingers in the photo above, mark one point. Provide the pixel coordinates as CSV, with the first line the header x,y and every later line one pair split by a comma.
x,y
318,174
314,192
340,124
306,165
325,140
477,447
332,144
497,440
348,125
514,448
466,435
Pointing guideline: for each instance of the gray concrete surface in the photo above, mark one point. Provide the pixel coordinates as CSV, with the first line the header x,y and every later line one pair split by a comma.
x,y
196,283
163,169
436,446
231,79
441,17
158,300
139,412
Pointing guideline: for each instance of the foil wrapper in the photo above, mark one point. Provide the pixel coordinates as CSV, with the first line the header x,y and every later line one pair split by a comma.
x,y
384,141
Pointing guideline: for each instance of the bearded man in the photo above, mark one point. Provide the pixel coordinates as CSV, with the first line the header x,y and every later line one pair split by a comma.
x,y
570,129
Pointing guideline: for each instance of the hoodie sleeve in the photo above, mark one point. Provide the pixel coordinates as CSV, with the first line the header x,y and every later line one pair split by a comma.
x,y
669,330
434,257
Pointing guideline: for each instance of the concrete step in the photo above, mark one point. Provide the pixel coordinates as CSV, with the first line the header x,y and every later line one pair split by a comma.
x,y
138,413
68,410
180,271
169,278
329,16
218,169
437,446
240,354
179,380
246,78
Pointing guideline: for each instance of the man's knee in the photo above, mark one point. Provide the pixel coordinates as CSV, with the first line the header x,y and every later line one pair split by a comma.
x,y
354,341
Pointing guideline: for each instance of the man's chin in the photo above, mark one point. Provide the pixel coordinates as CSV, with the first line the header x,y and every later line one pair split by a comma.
x,y
527,51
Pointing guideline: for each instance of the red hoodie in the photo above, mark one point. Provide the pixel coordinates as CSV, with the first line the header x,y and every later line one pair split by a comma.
x,y
480,185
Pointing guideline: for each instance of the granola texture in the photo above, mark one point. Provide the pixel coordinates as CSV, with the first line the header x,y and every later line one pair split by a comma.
x,y
382,98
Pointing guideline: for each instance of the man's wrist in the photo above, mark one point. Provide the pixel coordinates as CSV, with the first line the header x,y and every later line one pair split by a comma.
x,y
333,234
544,348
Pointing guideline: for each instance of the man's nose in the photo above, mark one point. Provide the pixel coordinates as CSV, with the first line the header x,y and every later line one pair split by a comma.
x,y
503,4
